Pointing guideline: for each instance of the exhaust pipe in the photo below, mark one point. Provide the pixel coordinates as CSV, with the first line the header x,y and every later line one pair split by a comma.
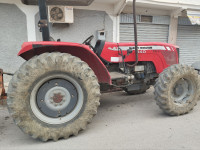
x,y
135,35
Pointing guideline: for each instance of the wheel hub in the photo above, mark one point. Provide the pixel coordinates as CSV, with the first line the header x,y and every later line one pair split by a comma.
x,y
179,90
182,91
57,98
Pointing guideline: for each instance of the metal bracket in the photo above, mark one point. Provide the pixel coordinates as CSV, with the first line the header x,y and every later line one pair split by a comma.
x,y
42,23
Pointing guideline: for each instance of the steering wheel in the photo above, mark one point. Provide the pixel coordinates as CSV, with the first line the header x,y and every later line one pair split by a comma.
x,y
88,41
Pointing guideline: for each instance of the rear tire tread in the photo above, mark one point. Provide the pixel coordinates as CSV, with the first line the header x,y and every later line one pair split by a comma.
x,y
41,64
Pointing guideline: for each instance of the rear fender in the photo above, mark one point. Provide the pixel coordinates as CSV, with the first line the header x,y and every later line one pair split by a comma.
x,y
83,52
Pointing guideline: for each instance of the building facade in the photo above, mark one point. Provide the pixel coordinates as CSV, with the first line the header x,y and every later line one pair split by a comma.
x,y
158,21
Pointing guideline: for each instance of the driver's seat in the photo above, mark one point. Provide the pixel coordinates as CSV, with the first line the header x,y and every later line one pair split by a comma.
x,y
99,47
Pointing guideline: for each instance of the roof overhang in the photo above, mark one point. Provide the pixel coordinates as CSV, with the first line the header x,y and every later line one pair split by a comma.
x,y
150,4
60,2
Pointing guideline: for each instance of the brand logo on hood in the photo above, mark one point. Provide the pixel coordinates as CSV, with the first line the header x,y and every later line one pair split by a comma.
x,y
113,49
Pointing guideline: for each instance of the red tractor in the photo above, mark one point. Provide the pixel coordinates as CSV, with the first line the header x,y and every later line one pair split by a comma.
x,y
56,92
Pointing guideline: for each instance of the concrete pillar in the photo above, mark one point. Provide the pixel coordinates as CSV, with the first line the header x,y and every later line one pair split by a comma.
x,y
30,12
116,27
173,29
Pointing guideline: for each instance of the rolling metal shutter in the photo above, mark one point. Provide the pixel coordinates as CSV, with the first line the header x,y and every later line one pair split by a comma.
x,y
146,33
188,40
157,31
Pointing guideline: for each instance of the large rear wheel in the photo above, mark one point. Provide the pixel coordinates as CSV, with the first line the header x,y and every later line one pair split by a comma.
x,y
53,96
177,89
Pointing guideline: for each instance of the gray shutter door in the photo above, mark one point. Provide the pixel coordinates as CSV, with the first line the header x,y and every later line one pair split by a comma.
x,y
146,32
189,42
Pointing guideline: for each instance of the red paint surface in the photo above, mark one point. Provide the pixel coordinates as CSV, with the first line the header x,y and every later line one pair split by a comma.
x,y
161,58
75,49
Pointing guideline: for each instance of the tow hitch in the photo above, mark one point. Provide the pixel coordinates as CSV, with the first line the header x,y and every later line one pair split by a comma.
x,y
3,94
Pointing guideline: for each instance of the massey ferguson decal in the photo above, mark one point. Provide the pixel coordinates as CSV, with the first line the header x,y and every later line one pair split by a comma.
x,y
113,49
125,48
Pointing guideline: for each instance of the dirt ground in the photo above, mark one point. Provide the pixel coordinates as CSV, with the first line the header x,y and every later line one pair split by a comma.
x,y
123,122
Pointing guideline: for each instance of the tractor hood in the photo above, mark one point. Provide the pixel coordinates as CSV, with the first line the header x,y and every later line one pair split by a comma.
x,y
60,2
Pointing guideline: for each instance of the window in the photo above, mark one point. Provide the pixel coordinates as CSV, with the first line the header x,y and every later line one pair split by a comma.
x,y
145,18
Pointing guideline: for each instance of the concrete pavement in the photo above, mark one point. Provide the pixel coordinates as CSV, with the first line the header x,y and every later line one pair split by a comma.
x,y
123,122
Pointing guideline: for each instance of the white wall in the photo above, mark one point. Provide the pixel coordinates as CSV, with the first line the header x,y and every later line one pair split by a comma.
x,y
13,33
86,23
110,9
30,12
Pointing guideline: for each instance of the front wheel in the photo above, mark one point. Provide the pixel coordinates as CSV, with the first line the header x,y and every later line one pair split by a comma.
x,y
177,90
53,96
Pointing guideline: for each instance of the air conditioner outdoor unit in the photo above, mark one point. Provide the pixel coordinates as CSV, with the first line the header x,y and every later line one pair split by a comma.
x,y
61,14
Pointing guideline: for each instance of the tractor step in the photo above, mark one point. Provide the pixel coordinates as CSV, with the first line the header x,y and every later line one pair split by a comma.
x,y
117,75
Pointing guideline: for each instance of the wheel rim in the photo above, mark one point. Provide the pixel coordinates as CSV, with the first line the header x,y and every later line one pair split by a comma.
x,y
182,91
57,99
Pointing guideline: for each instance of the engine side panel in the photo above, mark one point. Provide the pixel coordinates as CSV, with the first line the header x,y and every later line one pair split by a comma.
x,y
162,55
31,49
